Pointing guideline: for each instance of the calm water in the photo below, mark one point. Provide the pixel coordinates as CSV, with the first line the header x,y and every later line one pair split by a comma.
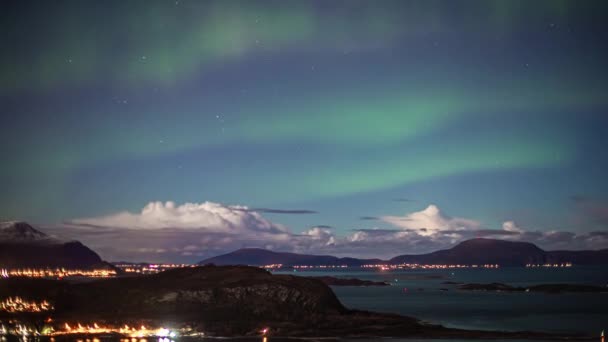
x,y
424,299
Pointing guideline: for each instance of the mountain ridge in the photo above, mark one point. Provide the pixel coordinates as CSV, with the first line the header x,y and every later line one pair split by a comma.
x,y
469,252
265,257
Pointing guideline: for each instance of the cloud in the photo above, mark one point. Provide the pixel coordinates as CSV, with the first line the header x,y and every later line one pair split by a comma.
x,y
431,229
207,216
510,226
320,235
167,231
431,220
191,232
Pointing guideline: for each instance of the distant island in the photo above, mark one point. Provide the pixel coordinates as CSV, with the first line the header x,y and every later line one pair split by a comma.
x,y
262,257
478,251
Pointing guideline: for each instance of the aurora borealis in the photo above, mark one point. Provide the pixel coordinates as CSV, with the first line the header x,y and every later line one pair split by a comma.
x,y
321,111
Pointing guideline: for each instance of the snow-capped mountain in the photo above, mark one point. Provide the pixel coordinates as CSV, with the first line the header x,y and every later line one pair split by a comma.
x,y
16,231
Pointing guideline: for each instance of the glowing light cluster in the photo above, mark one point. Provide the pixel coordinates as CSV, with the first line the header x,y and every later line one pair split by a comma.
x,y
125,330
19,329
565,264
150,268
132,333
57,273
18,304
383,267
272,266
319,266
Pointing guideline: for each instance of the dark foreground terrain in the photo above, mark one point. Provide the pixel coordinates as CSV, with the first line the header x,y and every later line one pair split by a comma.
x,y
224,301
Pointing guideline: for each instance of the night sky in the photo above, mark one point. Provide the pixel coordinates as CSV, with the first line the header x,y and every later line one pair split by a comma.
x,y
175,130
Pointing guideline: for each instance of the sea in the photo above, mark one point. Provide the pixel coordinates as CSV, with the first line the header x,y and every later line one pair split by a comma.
x,y
425,295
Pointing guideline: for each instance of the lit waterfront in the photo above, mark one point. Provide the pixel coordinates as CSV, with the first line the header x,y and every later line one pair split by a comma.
x,y
126,330
56,273
381,267
566,264
143,269
157,268
386,267
15,328
150,268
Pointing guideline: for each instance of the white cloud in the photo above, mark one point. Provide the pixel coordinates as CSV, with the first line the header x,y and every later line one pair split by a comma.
x,y
510,226
431,220
192,232
207,216
321,236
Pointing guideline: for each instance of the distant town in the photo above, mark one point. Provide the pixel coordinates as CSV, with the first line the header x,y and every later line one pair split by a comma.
x,y
144,268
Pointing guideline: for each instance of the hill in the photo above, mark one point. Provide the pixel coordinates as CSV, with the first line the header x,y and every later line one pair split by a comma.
x,y
504,253
23,246
260,257
480,251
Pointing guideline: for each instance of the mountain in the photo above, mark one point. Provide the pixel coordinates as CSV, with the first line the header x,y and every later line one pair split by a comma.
x,y
260,257
23,246
504,253
14,231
